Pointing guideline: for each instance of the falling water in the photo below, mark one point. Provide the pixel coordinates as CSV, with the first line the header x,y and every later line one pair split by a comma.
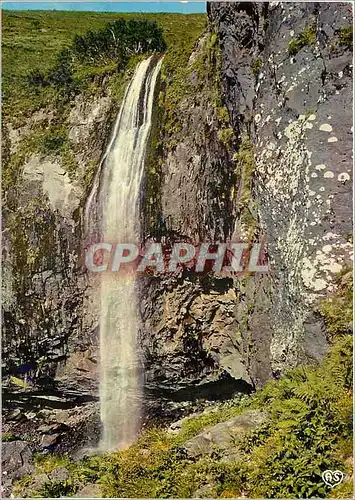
x,y
117,192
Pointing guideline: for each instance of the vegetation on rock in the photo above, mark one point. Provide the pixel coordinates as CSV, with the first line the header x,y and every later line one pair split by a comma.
x,y
307,37
110,47
337,309
256,66
346,36
99,58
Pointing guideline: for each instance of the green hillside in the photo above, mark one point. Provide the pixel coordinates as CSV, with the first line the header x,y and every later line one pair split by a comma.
x,y
33,39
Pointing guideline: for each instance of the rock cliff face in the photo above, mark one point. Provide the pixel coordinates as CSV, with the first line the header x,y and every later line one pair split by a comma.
x,y
189,336
285,76
50,344
301,126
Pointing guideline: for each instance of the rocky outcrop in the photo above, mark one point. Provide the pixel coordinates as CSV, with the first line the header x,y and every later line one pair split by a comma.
x,y
288,68
16,461
223,438
285,76
50,343
189,336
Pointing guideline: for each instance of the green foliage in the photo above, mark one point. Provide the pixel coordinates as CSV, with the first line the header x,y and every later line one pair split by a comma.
x,y
308,113
225,135
245,165
222,114
221,412
256,66
337,308
6,437
58,489
310,408
47,139
308,37
120,39
310,412
176,78
308,431
346,36
47,463
116,42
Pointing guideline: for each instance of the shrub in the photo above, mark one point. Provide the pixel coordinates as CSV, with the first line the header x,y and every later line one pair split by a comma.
x,y
256,66
225,135
119,40
58,489
346,36
307,37
7,437
116,42
337,308
37,78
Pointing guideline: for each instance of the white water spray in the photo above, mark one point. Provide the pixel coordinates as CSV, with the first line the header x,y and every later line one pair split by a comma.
x,y
116,191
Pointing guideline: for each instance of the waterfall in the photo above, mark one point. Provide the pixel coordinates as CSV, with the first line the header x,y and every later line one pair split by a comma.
x,y
116,195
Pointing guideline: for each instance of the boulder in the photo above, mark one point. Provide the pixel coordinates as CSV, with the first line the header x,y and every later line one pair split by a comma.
x,y
222,437
59,474
89,491
16,461
49,441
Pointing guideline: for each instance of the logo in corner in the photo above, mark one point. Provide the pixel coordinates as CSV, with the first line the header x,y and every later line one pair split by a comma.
x,y
332,477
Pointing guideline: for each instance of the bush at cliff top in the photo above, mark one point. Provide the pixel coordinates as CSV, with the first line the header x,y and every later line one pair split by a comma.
x,y
119,39
117,42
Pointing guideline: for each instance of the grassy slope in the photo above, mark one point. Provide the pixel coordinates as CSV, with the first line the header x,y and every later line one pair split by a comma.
x,y
32,39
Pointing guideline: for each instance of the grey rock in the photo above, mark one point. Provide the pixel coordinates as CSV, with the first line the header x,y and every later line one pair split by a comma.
x,y
16,459
49,441
222,437
52,428
89,491
208,490
38,481
59,474
15,415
